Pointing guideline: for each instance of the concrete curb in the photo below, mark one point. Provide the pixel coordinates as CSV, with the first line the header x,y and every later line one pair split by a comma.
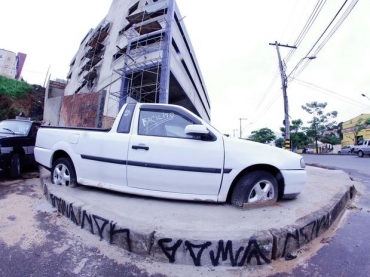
x,y
185,247
306,229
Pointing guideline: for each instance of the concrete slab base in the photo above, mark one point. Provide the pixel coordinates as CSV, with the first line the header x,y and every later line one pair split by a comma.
x,y
200,234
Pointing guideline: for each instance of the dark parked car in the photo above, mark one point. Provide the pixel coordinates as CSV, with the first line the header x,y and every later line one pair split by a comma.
x,y
17,142
348,149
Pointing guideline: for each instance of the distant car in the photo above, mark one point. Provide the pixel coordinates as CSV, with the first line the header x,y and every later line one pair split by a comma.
x,y
17,141
348,149
308,150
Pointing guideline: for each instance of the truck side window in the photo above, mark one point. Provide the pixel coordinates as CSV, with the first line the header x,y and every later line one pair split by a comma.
x,y
125,122
163,123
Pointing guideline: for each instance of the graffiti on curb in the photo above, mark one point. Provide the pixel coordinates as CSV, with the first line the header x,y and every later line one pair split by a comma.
x,y
224,252
236,254
90,221
311,230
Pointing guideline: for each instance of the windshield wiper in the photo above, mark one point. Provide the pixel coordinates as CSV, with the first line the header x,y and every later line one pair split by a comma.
x,y
7,129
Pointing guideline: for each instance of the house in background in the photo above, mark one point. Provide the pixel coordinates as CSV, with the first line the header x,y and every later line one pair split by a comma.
x,y
349,130
11,64
140,52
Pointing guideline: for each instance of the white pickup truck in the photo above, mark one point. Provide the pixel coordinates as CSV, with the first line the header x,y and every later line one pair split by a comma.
x,y
165,151
363,148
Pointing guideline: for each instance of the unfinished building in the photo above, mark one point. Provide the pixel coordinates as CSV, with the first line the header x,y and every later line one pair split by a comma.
x,y
139,52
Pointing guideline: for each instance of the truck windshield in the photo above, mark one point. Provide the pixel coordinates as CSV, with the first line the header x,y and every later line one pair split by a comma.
x,y
15,127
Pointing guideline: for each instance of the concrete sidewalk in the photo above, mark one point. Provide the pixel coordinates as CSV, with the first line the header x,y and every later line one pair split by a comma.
x,y
206,234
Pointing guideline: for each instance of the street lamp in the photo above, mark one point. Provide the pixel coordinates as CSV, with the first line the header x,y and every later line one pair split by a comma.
x,y
299,63
364,95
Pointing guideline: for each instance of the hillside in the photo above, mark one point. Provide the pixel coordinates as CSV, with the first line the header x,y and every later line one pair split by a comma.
x,y
19,96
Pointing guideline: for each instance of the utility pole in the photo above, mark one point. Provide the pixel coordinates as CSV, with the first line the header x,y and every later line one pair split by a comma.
x,y
234,130
240,130
284,87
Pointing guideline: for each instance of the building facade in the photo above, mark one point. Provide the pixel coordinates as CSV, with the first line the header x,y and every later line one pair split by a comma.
x,y
140,52
11,64
350,135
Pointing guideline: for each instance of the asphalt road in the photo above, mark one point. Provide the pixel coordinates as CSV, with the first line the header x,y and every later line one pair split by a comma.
x,y
348,163
346,252
36,241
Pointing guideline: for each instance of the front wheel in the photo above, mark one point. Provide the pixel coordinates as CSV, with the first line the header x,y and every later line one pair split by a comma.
x,y
360,154
255,187
15,166
63,173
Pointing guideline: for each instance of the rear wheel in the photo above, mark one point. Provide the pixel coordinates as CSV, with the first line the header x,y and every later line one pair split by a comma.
x,y
255,187
360,154
63,173
15,166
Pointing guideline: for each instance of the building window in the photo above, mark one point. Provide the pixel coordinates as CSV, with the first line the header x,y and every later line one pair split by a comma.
x,y
133,8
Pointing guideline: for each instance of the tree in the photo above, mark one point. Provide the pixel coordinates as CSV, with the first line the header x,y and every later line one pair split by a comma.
x,y
330,138
264,135
297,137
280,142
360,125
320,120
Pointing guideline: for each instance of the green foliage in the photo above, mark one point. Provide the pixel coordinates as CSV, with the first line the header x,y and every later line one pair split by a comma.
x,y
320,121
13,88
298,138
330,138
280,142
263,135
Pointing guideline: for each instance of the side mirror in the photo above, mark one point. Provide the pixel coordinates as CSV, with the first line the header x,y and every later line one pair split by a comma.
x,y
196,130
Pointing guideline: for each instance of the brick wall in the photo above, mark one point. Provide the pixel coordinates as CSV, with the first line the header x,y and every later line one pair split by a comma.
x,y
108,121
79,110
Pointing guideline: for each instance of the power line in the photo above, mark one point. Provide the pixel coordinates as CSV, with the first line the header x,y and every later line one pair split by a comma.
x,y
331,33
314,14
311,19
332,93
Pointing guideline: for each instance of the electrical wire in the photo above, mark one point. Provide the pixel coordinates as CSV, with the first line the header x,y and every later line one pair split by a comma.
x,y
330,34
332,93
311,19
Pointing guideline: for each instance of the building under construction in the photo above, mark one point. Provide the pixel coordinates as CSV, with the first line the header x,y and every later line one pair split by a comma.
x,y
139,52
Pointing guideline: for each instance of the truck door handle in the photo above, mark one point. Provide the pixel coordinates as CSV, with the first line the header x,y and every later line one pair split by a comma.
x,y
146,148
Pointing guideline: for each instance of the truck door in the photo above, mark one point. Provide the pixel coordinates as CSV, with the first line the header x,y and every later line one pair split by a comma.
x,y
162,157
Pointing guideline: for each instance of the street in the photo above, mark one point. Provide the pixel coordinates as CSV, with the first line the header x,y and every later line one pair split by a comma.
x,y
348,163
36,240
346,252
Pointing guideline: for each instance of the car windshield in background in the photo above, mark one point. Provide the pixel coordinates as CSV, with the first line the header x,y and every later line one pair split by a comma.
x,y
15,127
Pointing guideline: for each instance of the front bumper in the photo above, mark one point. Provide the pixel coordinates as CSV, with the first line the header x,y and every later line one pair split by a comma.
x,y
294,182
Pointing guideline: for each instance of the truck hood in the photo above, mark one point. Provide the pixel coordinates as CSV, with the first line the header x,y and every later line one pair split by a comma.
x,y
241,153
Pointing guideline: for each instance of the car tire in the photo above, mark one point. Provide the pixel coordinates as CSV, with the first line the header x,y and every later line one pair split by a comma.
x,y
15,166
360,154
255,187
339,153
63,173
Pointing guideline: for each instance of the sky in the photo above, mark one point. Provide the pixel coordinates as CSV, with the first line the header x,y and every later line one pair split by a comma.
x,y
231,43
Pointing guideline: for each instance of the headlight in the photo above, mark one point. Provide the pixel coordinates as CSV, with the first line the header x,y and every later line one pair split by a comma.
x,y
303,165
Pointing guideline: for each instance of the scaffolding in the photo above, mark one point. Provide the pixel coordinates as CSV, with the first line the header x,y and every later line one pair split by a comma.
x,y
146,32
93,55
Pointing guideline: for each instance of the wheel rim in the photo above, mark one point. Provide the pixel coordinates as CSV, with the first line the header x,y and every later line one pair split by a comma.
x,y
61,175
262,191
